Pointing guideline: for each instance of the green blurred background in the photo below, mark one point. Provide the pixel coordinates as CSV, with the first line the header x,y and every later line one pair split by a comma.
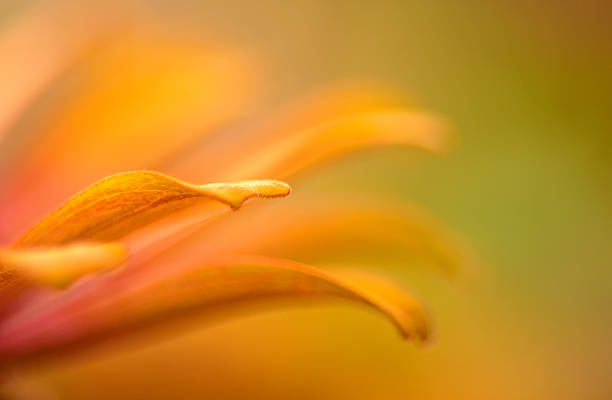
x,y
528,87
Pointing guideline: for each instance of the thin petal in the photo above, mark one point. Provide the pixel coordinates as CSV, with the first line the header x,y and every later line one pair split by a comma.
x,y
60,266
121,204
294,153
132,103
324,125
211,288
286,154
335,230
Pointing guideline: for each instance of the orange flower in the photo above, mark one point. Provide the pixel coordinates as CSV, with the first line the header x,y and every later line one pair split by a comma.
x,y
139,249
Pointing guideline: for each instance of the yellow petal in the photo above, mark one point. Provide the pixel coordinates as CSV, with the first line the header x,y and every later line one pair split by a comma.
x,y
302,130
312,111
60,266
37,47
245,279
212,288
294,152
334,230
135,101
118,205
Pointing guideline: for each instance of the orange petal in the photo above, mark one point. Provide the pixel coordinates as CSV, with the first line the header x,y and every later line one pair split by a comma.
x,y
295,152
335,230
38,46
121,204
283,127
212,288
60,266
142,96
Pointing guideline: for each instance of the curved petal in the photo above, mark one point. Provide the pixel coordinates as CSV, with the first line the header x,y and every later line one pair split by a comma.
x,y
334,230
290,152
210,288
319,108
135,101
123,203
60,266
293,153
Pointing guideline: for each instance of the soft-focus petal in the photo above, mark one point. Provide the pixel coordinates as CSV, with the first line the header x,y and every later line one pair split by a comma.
x,y
291,152
38,46
123,203
318,108
210,288
133,103
60,266
335,230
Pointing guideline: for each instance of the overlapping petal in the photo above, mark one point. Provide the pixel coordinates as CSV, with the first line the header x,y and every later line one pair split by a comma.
x,y
293,153
287,153
213,287
335,229
318,108
135,101
123,203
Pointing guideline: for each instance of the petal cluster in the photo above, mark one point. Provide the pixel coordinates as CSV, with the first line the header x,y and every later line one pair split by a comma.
x,y
142,248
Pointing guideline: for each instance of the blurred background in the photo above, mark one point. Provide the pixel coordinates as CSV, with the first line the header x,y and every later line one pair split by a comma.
x,y
528,88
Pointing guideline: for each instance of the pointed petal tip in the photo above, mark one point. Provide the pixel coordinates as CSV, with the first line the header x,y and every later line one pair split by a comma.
x,y
423,128
415,328
407,314
412,323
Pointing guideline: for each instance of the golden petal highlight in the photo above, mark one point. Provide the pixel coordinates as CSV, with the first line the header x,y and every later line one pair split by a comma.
x,y
121,204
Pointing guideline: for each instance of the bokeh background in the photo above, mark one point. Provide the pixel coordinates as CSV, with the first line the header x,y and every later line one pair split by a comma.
x,y
528,88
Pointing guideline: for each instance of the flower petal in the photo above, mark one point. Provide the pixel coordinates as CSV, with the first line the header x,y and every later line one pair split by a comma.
x,y
60,266
211,288
293,153
123,203
134,101
312,111
335,230
285,154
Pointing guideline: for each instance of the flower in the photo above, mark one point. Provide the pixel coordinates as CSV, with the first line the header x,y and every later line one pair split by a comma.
x,y
142,248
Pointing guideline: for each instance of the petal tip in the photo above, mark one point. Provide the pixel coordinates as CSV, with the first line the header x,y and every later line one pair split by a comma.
x,y
417,329
265,189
